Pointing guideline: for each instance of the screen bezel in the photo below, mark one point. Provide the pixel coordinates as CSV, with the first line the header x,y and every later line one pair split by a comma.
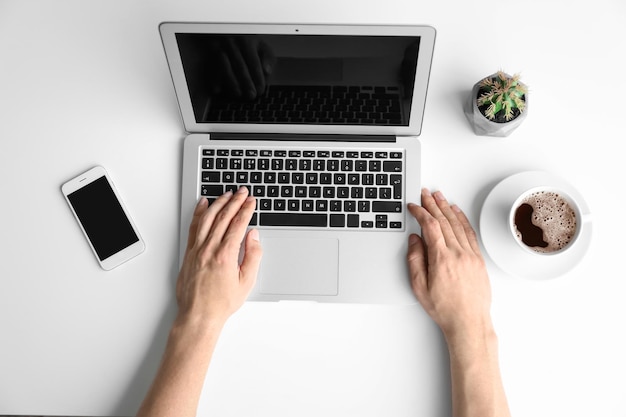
x,y
168,31
82,181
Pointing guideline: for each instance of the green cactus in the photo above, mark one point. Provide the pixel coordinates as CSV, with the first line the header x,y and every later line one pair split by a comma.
x,y
501,94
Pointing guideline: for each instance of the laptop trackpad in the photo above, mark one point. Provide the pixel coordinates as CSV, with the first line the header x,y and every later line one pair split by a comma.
x,y
299,266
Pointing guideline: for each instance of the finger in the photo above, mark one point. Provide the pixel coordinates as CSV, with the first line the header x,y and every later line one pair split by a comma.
x,y
429,203
416,258
236,230
201,207
205,222
224,217
431,229
453,220
418,269
469,230
251,262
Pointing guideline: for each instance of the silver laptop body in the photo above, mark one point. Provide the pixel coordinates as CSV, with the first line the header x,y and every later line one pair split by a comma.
x,y
326,139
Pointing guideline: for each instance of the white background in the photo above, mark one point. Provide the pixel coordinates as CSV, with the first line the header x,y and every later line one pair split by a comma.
x,y
86,83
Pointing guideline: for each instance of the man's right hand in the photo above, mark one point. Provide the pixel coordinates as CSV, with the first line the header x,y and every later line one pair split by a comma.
x,y
448,273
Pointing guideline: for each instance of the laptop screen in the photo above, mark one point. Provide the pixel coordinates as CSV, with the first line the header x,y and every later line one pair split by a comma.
x,y
299,79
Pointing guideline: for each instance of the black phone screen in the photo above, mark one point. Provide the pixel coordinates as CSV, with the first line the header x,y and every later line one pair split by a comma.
x,y
103,218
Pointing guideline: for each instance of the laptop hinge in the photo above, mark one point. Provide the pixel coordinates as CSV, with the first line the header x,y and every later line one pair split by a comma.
x,y
302,137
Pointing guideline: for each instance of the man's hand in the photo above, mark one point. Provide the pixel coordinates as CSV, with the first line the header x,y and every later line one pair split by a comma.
x,y
212,284
449,278
448,273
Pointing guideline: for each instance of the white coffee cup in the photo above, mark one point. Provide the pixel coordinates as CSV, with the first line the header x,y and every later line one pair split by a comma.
x,y
546,221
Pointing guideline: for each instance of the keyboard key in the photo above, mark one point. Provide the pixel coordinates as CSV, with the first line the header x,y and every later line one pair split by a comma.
x,y
212,190
258,191
286,191
256,177
386,206
384,193
228,177
353,220
348,164
253,221
211,176
293,219
265,204
335,205
337,220
280,205
293,205
315,192
392,166
396,182
319,165
381,221
301,192
208,163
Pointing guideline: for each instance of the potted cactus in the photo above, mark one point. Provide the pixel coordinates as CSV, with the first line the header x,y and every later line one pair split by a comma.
x,y
498,105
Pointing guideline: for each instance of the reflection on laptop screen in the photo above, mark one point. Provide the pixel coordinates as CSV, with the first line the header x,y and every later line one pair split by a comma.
x,y
300,79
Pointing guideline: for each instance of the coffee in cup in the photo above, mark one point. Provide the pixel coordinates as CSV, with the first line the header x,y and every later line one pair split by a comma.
x,y
545,221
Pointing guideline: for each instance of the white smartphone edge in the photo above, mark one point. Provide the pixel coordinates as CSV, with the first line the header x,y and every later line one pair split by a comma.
x,y
81,181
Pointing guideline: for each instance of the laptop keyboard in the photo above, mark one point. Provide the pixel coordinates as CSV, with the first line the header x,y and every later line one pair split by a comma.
x,y
311,188
314,104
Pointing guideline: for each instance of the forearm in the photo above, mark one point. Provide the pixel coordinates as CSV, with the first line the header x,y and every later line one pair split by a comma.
x,y
477,389
177,386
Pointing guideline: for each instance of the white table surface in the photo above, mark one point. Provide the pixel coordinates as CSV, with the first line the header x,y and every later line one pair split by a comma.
x,y
86,83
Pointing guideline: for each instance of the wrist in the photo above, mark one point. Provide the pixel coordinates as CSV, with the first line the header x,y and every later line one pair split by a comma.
x,y
471,340
196,327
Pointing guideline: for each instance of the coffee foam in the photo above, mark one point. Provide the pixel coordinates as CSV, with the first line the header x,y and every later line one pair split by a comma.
x,y
555,216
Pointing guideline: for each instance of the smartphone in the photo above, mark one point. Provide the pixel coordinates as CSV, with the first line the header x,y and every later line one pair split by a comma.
x,y
104,220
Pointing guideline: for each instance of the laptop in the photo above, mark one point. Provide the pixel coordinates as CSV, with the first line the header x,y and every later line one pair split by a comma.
x,y
321,123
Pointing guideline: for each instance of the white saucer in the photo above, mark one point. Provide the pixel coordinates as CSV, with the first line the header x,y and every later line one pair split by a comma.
x,y
502,247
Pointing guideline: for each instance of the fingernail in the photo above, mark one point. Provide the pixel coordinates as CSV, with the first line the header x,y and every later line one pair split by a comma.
x,y
242,189
439,196
227,194
412,239
254,234
456,208
425,191
203,201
